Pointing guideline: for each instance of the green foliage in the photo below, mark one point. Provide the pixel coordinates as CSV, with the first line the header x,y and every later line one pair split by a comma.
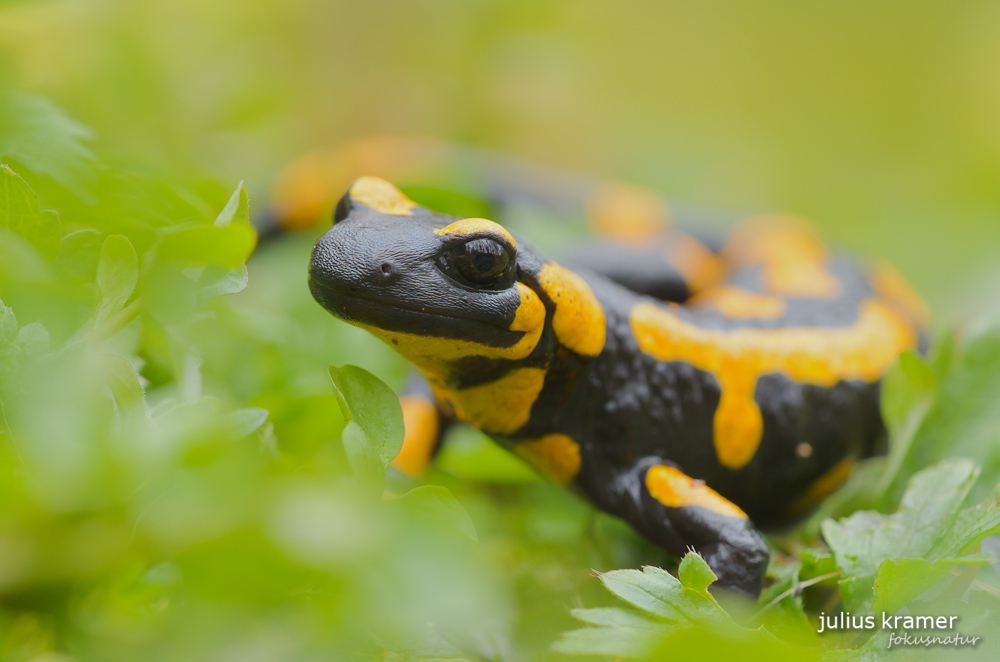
x,y
660,605
374,431
958,417
894,558
179,480
20,215
38,135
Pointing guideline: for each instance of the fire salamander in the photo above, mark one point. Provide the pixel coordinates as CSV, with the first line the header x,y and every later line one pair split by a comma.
x,y
695,391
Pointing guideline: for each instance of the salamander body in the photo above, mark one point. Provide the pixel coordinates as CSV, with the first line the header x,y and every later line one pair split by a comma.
x,y
696,391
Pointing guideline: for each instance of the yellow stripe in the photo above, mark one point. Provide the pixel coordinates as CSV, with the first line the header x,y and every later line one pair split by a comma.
x,y
468,226
674,489
738,358
502,406
578,321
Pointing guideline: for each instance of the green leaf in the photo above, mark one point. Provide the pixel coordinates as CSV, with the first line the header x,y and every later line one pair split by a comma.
x,y
661,606
21,261
374,432
436,506
620,633
242,422
37,134
961,419
20,214
929,525
695,573
78,255
117,274
908,382
900,582
228,246
781,603
661,594
216,281
237,210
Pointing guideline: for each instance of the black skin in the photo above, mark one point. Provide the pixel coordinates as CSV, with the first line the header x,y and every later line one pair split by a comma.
x,y
627,410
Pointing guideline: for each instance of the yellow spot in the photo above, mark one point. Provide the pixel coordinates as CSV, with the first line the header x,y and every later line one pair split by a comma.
x,y
627,213
738,303
801,278
774,238
556,456
674,489
822,487
502,406
422,427
794,261
468,226
382,196
898,293
700,267
738,358
578,321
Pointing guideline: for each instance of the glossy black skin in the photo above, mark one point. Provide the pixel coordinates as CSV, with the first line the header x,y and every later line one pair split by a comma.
x,y
626,410
387,271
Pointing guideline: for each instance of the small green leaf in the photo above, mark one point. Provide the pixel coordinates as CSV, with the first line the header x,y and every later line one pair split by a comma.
x,y
237,210
228,246
658,592
436,506
20,214
694,573
216,281
117,274
374,433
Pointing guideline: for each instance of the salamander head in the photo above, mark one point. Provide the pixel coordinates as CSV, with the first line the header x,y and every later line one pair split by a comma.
x,y
439,289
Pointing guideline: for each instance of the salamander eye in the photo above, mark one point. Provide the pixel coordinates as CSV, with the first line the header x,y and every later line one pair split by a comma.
x,y
482,262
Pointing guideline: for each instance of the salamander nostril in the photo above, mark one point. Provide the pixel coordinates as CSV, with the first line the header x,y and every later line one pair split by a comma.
x,y
386,268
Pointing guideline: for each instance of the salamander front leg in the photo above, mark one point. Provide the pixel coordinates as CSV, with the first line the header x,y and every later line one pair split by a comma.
x,y
678,512
424,424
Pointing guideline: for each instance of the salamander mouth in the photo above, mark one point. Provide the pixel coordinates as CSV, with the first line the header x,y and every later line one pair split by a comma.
x,y
370,312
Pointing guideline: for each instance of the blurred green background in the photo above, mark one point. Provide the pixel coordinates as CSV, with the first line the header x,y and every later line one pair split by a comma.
x,y
174,488
877,120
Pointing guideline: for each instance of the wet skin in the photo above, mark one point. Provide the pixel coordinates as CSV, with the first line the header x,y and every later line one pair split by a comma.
x,y
695,393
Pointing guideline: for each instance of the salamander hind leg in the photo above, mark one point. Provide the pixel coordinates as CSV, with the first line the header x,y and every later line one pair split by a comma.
x,y
678,512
